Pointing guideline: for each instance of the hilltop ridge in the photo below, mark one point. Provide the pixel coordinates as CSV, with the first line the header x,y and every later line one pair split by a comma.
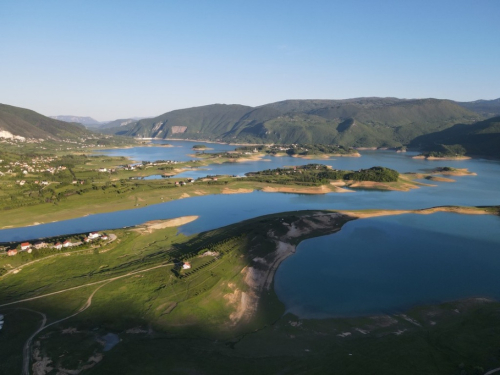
x,y
357,122
24,123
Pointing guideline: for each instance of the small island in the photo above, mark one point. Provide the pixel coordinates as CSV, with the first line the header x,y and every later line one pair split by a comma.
x,y
201,148
307,151
444,152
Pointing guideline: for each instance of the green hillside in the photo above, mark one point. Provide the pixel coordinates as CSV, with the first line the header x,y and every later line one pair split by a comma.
x,y
480,138
360,122
29,124
486,108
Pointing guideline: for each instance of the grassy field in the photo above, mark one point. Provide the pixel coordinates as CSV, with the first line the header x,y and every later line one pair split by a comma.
x,y
218,315
81,190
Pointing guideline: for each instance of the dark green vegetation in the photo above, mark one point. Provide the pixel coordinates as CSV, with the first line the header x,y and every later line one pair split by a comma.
x,y
300,149
215,318
318,174
117,123
53,179
29,124
486,108
481,138
364,122
459,344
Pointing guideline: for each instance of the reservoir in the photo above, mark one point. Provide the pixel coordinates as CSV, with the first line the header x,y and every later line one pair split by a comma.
x,y
389,264
375,265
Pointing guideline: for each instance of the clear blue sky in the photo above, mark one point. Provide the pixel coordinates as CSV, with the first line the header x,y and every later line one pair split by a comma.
x,y
116,59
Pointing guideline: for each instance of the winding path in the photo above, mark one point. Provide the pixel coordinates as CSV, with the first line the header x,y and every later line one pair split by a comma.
x,y
88,303
85,285
492,371
27,345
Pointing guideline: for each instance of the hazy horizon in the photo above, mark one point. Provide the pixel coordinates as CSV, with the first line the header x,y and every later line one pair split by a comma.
x,y
124,59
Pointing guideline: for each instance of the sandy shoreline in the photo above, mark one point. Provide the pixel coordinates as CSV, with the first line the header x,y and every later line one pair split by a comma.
x,y
441,158
151,226
327,156
426,211
215,142
305,190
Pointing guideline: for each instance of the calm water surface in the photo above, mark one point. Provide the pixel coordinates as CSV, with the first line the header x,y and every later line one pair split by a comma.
x,y
370,266
387,264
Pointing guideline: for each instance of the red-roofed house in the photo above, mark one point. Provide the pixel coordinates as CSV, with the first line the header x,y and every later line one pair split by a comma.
x,y
25,246
11,252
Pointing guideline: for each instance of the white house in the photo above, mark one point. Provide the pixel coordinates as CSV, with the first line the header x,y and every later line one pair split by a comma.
x,y
94,235
186,266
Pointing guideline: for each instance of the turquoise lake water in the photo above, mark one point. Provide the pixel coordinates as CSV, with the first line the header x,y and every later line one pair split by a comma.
x,y
370,266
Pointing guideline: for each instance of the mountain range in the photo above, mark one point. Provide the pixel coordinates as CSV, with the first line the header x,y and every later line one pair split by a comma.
x,y
91,123
22,123
86,121
486,108
481,138
424,124
360,122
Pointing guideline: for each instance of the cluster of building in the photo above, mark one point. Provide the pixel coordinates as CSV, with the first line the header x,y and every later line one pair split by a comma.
x,y
183,183
36,182
95,236
28,247
38,164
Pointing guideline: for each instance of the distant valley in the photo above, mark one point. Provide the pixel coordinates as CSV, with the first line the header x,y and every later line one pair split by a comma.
x,y
91,123
422,124
360,122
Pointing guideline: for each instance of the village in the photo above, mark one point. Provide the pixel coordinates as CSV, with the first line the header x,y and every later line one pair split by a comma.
x,y
68,242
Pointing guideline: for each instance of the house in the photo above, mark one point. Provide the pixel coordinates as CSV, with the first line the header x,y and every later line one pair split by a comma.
x,y
186,266
191,180
104,237
40,245
67,243
58,246
86,240
11,252
102,170
25,246
94,235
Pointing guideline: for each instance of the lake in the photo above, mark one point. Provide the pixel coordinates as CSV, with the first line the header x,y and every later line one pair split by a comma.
x,y
388,264
370,266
